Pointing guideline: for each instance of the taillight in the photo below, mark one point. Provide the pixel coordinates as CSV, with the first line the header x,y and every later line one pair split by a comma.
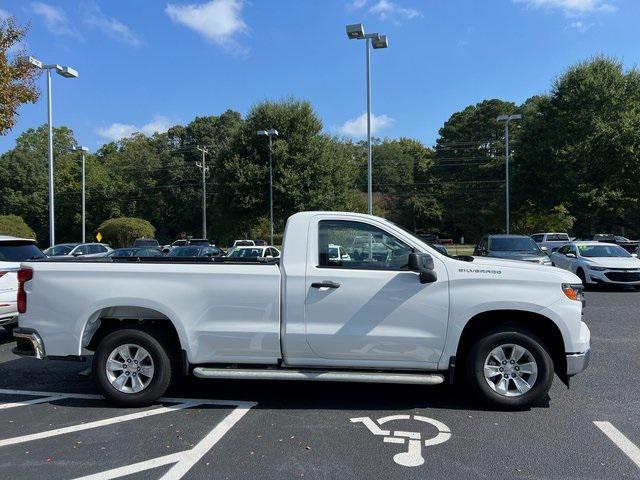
x,y
24,275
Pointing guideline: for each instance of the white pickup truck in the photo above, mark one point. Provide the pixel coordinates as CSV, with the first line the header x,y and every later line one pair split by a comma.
x,y
394,311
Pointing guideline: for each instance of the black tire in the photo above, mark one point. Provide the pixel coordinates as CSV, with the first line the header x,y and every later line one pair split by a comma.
x,y
501,336
162,375
582,276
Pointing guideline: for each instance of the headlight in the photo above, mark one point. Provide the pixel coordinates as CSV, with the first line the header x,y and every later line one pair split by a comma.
x,y
597,269
574,291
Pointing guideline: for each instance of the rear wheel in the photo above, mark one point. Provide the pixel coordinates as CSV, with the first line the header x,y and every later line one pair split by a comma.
x,y
509,368
582,276
132,367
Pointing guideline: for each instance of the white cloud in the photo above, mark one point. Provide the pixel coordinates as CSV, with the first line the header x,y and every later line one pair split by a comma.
x,y
580,26
388,10
118,131
4,14
571,7
385,10
357,127
218,20
94,17
54,19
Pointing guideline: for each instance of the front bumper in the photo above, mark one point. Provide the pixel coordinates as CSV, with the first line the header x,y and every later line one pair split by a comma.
x,y
577,362
29,343
613,277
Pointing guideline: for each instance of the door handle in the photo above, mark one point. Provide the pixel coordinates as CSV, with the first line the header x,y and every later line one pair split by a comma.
x,y
325,284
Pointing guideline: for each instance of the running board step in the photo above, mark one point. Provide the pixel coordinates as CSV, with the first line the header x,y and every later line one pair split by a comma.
x,y
319,375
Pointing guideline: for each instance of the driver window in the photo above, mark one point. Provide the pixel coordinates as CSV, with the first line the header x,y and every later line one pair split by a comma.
x,y
346,244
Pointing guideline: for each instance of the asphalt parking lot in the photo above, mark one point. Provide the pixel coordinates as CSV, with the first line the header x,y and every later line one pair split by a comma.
x,y
53,424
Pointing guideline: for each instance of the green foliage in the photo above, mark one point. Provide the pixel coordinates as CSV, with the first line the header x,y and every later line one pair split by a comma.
x,y
529,220
121,232
15,226
17,75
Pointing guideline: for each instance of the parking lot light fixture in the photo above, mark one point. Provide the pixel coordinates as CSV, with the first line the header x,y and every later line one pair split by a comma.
x,y
507,119
270,133
83,151
377,41
66,72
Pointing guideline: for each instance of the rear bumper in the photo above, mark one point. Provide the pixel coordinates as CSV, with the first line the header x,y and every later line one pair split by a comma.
x,y
578,362
29,343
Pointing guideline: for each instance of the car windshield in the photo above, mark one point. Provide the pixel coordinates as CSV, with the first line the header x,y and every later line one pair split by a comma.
x,y
123,252
185,252
334,252
595,251
513,244
19,252
246,253
59,250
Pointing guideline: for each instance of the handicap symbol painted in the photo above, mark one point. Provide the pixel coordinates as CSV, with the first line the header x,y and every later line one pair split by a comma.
x,y
413,456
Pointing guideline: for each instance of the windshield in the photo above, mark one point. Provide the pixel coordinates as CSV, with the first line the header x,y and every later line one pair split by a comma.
x,y
595,251
513,244
123,252
19,252
58,250
246,253
185,252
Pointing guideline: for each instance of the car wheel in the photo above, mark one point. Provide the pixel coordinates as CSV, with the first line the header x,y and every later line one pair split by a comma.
x,y
509,368
132,367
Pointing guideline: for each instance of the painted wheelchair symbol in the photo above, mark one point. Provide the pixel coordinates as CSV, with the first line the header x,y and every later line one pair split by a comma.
x,y
413,456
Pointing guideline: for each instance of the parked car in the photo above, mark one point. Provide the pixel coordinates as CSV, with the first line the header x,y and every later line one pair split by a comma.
x,y
196,251
598,263
243,243
254,252
13,250
182,242
146,242
550,242
433,241
414,316
260,243
135,252
513,247
630,246
71,250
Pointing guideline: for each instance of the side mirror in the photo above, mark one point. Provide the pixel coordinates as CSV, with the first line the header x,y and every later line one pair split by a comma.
x,y
571,255
345,257
78,254
422,263
269,257
544,249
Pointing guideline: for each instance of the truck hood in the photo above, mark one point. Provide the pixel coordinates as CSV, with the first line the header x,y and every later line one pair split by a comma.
x,y
563,276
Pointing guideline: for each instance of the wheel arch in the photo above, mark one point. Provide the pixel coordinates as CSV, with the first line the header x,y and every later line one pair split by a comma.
x,y
106,320
539,325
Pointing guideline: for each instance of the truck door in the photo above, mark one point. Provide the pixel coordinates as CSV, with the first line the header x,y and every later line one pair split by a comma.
x,y
365,308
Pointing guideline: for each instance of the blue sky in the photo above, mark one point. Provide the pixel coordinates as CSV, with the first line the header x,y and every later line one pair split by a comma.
x,y
145,64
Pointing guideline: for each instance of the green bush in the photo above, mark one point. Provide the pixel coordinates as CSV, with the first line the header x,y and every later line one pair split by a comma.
x,y
121,232
15,226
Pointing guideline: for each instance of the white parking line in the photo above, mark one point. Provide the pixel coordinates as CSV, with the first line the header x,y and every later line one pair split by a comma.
x,y
622,442
96,424
183,461
33,401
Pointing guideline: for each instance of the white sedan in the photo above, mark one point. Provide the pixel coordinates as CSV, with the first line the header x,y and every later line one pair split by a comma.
x,y
598,263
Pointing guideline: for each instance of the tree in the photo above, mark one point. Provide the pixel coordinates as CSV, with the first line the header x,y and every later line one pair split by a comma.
x,y
121,232
582,146
17,75
15,226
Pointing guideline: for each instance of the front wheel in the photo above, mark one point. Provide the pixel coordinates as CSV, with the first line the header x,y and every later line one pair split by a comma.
x,y
510,368
132,367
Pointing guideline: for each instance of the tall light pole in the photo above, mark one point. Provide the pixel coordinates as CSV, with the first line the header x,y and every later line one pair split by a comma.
x,y
83,150
205,171
507,119
66,72
270,133
377,41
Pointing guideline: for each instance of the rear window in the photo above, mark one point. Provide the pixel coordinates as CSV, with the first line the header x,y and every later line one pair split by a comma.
x,y
558,237
19,252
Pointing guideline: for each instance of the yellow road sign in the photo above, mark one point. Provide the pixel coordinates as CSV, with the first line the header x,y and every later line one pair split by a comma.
x,y
99,236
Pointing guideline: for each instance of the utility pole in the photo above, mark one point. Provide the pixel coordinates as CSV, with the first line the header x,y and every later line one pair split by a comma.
x,y
205,171
270,133
507,119
83,150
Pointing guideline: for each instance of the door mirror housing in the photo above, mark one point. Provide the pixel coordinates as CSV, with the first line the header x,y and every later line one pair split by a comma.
x,y
571,255
422,263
